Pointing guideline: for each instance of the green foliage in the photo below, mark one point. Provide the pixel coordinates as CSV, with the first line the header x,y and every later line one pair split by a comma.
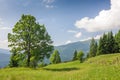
x,y
111,43
102,47
117,39
55,57
31,39
107,44
80,56
14,59
75,56
93,48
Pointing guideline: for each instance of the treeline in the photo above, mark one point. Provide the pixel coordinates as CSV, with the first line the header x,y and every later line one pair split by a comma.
x,y
108,44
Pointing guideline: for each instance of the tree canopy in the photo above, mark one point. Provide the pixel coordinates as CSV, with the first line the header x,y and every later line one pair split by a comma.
x,y
30,39
93,48
80,56
55,57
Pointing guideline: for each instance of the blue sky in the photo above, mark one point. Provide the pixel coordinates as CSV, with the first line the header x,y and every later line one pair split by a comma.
x,y
66,20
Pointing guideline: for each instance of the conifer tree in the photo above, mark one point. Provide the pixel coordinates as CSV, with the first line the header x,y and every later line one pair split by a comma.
x,y
117,40
93,48
110,43
75,55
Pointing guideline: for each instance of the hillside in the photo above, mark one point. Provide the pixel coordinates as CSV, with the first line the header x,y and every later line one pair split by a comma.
x,y
104,67
67,51
4,57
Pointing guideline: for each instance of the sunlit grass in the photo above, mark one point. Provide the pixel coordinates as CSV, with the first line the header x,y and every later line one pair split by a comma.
x,y
104,67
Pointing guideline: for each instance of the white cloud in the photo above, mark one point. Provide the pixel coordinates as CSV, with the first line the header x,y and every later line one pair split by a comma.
x,y
96,37
49,6
72,31
106,20
48,3
69,41
4,44
86,39
78,35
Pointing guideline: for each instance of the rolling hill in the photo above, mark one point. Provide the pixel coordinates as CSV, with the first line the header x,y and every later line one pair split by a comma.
x,y
104,67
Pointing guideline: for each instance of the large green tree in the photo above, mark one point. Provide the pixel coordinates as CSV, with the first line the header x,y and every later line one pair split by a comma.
x,y
30,38
55,57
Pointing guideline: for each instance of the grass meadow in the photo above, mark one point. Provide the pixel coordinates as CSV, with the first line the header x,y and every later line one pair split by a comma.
x,y
104,67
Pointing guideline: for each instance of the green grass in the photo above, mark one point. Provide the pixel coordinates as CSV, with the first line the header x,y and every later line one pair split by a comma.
x,y
104,67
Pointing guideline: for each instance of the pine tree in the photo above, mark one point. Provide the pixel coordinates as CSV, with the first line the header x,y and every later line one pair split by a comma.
x,y
96,46
110,43
103,45
107,44
117,40
100,47
93,48
55,57
75,56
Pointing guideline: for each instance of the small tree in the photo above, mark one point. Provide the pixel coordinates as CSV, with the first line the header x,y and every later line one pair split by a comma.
x,y
75,55
93,48
55,57
80,56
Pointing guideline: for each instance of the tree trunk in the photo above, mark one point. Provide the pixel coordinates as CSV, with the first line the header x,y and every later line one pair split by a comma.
x,y
28,60
29,54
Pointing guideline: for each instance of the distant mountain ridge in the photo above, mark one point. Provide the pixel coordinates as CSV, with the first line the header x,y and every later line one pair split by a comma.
x,y
4,57
67,51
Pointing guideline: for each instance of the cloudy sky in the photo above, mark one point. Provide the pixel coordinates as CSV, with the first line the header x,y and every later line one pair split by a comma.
x,y
66,20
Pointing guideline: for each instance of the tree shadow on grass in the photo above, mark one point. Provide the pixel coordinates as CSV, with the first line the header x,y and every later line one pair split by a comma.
x,y
62,69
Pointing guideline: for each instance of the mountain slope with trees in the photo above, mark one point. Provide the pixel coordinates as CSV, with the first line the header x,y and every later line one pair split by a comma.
x,y
67,51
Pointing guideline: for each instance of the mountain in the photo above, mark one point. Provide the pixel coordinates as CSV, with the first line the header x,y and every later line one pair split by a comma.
x,y
4,57
67,51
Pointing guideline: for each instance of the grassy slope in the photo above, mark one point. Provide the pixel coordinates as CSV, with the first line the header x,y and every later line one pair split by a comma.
x,y
105,67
